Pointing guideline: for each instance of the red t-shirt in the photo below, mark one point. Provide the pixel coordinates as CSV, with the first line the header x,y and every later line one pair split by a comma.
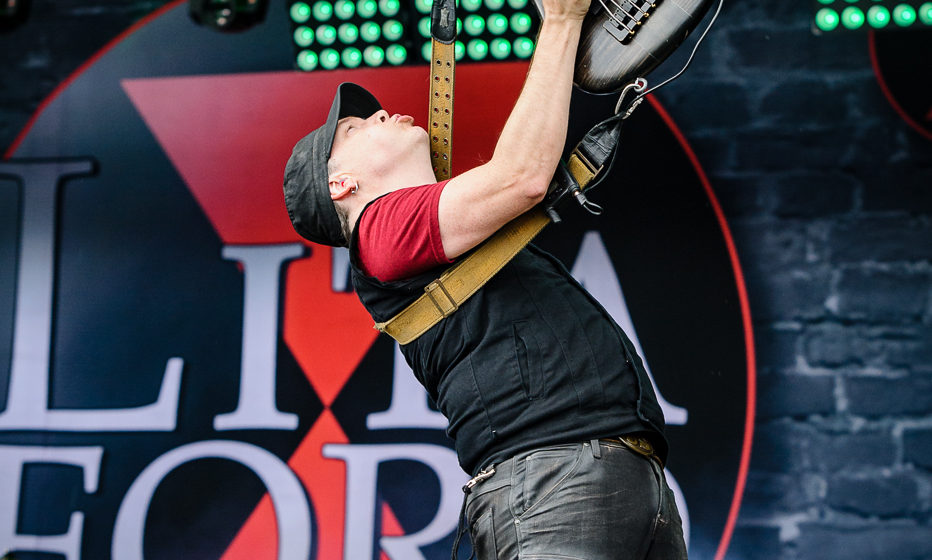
x,y
399,234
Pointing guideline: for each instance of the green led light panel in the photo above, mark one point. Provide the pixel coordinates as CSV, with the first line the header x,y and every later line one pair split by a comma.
x,y
370,31
329,58
852,17
392,30
373,55
322,10
477,49
333,34
904,15
344,9
307,60
925,13
523,47
423,27
303,36
348,33
326,34
878,17
826,19
351,57
300,12
396,54
367,8
389,8
500,48
875,15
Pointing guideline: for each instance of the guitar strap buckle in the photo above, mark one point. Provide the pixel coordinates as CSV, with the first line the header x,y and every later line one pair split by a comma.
x,y
446,305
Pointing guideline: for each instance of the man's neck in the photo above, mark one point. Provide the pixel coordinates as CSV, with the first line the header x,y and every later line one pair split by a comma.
x,y
358,202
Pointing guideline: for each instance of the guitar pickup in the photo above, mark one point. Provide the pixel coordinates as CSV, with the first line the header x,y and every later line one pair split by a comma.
x,y
626,17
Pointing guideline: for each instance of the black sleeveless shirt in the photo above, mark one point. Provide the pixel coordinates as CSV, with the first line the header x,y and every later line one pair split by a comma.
x,y
531,359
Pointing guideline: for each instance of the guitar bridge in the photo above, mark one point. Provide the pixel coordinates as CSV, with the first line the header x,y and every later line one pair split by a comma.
x,y
625,17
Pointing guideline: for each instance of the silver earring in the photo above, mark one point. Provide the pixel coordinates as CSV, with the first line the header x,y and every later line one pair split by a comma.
x,y
355,188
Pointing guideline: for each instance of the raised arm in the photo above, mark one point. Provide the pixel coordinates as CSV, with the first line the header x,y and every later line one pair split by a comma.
x,y
475,204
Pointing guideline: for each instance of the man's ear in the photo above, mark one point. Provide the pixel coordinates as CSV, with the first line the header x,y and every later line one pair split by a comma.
x,y
341,186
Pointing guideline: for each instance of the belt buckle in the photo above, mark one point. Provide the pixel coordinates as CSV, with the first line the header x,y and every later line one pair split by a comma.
x,y
641,446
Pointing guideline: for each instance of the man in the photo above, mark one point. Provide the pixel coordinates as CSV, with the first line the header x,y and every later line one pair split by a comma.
x,y
548,404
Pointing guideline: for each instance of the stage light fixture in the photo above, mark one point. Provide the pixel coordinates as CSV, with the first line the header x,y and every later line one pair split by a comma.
x,y
344,9
852,17
322,10
477,49
348,33
396,54
423,27
392,30
227,15
303,36
474,25
523,47
13,13
370,31
500,48
355,33
326,34
367,8
904,15
520,22
329,59
879,15
925,13
307,60
389,8
373,55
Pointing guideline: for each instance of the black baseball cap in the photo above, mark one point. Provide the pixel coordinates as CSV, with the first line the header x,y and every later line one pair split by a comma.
x,y
307,194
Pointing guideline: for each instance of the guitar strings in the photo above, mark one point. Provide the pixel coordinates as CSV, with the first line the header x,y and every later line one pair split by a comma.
x,y
622,9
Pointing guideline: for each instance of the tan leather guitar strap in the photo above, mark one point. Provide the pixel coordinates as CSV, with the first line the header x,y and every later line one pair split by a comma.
x,y
442,67
458,283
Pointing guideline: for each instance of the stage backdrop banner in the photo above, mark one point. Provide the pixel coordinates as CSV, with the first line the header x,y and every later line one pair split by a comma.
x,y
182,376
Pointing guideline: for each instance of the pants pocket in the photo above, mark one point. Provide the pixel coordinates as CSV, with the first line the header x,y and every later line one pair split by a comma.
x,y
482,534
545,472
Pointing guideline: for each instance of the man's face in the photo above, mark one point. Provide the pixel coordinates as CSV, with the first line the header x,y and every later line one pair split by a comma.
x,y
378,143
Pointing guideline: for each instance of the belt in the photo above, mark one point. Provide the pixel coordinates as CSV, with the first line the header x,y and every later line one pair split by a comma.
x,y
636,443
639,444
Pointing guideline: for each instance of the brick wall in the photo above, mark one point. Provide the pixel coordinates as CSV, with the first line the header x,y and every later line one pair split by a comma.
x,y
829,195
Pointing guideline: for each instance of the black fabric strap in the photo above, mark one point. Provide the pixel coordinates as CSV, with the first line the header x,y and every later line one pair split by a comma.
x,y
443,21
598,145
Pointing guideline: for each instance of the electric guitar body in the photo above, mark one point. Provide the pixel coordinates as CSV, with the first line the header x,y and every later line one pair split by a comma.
x,y
625,39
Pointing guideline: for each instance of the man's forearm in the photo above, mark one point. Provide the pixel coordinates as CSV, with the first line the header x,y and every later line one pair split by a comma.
x,y
478,202
534,134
